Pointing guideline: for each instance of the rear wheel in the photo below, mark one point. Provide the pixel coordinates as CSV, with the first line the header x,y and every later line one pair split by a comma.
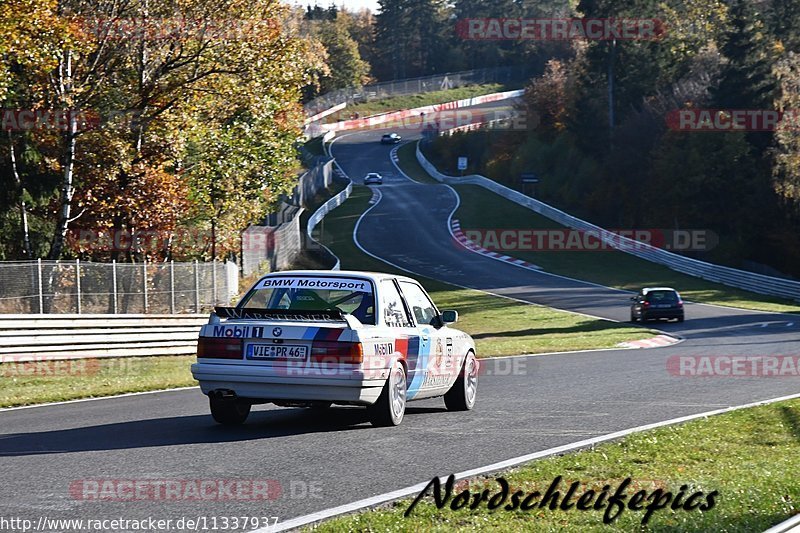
x,y
461,396
680,318
390,408
633,318
229,412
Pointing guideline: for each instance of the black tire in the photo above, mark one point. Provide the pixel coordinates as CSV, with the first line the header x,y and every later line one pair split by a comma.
x,y
320,405
680,319
461,396
634,320
390,408
229,412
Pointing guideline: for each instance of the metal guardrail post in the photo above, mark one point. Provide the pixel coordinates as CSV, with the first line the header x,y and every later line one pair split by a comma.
x,y
114,283
214,279
41,295
196,289
78,282
144,283
172,286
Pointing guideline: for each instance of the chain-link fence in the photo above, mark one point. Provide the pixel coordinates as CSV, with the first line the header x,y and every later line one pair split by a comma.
x,y
84,287
439,82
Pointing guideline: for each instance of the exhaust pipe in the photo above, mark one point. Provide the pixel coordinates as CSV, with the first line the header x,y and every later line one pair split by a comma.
x,y
222,394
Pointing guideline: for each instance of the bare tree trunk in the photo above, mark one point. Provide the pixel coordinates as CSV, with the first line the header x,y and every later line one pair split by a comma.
x,y
67,190
26,239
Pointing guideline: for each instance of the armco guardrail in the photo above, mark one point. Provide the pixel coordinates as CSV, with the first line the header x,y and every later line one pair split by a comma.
x,y
732,277
384,118
49,337
323,210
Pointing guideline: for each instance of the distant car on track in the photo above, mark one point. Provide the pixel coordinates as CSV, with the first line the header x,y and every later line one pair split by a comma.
x,y
391,138
373,178
315,338
657,302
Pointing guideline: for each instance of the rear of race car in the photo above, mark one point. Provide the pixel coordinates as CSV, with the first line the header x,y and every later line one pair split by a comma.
x,y
291,362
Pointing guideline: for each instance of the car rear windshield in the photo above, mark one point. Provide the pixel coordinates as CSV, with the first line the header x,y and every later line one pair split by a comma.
x,y
350,295
662,296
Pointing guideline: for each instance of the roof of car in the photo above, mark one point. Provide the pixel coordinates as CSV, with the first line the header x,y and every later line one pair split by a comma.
x,y
375,276
650,289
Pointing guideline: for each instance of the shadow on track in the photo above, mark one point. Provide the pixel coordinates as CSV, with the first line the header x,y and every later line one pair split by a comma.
x,y
195,429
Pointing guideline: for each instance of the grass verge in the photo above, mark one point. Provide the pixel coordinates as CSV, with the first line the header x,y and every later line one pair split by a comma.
x,y
482,209
27,383
499,326
748,456
396,103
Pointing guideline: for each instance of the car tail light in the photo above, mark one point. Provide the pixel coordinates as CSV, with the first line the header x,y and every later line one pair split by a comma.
x,y
337,352
646,303
210,347
680,303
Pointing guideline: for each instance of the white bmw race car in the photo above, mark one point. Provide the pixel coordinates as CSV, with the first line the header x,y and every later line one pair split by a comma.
x,y
315,338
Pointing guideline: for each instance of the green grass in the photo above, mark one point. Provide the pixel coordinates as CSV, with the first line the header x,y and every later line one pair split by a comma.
x,y
482,209
27,383
751,457
396,103
500,326
407,159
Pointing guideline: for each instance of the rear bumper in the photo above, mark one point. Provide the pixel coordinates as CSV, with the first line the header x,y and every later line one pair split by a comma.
x,y
662,313
291,384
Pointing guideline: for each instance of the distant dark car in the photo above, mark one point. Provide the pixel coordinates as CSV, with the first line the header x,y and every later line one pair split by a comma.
x,y
373,178
391,138
655,303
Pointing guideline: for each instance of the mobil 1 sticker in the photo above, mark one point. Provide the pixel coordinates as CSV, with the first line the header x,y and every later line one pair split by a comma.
x,y
328,283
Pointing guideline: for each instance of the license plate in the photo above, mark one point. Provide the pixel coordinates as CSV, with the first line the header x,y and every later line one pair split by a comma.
x,y
663,306
277,351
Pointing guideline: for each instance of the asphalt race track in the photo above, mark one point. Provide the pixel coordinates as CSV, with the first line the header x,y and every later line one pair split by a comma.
x,y
321,461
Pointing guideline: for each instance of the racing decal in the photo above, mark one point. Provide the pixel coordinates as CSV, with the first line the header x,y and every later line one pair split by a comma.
x,y
449,359
330,283
418,355
238,332
383,349
257,332
328,334
439,352
280,314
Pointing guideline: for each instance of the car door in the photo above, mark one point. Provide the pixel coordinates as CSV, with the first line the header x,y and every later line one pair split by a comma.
x,y
394,315
437,357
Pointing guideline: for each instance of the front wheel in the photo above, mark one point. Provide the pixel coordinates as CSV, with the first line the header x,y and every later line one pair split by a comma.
x,y
229,412
390,408
461,396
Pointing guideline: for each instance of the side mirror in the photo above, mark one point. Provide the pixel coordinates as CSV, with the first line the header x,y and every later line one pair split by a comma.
x,y
449,316
633,298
